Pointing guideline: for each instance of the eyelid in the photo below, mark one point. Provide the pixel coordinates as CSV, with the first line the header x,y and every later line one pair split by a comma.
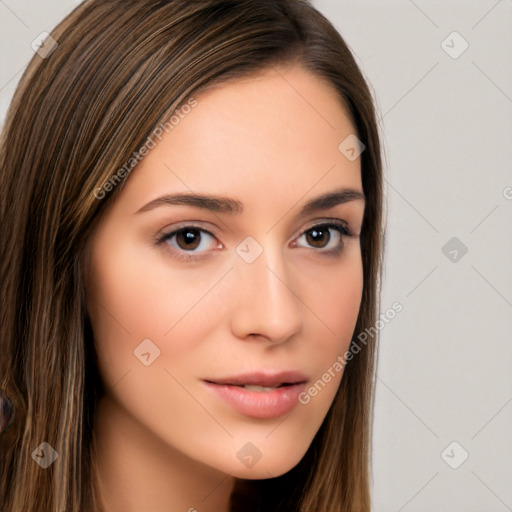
x,y
167,232
326,221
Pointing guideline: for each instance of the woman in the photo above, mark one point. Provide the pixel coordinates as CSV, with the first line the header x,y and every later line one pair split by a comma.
x,y
191,214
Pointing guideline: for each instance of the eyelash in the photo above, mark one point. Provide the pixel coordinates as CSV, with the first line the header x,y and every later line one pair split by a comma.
x,y
336,224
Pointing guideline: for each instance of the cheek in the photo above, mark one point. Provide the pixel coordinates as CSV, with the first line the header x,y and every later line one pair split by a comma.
x,y
132,296
341,303
335,298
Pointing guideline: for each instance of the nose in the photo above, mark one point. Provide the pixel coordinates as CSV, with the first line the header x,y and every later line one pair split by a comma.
x,y
265,302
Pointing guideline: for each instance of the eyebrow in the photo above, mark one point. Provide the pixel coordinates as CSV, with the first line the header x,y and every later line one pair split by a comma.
x,y
232,206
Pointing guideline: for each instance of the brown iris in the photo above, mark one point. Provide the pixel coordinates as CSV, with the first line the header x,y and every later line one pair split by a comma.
x,y
188,238
318,237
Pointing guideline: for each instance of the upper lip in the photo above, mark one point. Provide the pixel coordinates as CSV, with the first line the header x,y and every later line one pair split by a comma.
x,y
262,379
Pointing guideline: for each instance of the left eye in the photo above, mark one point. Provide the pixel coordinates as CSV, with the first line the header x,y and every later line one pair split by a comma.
x,y
321,237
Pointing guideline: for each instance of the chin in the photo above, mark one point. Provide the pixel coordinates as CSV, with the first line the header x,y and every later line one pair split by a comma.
x,y
265,471
270,466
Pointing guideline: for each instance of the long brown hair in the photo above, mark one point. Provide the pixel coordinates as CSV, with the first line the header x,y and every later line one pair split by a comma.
x,y
117,70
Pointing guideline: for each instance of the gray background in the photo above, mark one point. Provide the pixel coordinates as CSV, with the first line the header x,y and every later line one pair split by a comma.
x,y
445,360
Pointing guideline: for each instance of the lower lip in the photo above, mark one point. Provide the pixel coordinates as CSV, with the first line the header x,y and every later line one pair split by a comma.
x,y
259,404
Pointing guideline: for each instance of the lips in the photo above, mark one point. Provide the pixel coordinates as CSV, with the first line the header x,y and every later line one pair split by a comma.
x,y
259,395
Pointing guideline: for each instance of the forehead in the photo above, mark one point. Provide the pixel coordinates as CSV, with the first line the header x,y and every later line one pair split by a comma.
x,y
273,132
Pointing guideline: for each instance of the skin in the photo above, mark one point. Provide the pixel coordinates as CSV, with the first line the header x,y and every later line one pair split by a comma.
x,y
270,141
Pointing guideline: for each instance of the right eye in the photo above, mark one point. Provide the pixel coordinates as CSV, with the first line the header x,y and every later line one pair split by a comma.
x,y
188,239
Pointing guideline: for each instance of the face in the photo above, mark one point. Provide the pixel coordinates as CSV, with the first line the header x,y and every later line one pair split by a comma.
x,y
198,304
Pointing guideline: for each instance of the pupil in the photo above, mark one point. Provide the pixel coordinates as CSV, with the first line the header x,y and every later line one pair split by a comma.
x,y
188,238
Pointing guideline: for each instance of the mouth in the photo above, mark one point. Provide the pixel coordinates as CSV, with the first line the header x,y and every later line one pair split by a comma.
x,y
256,387
259,395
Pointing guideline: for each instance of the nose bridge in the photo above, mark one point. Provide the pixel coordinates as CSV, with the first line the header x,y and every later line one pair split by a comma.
x,y
267,305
